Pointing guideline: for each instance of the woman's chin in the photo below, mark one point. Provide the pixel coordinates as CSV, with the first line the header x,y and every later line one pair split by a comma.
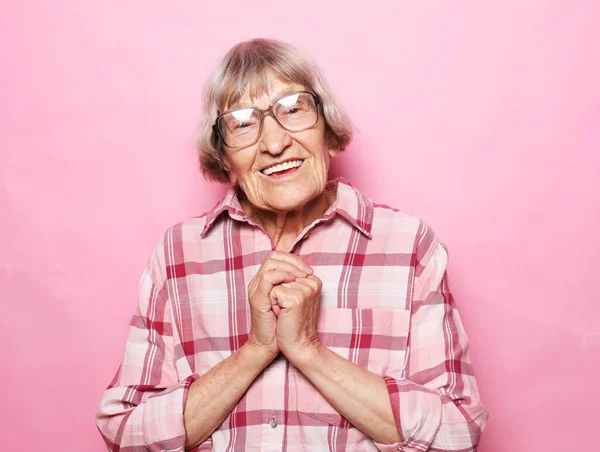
x,y
287,207
285,198
292,201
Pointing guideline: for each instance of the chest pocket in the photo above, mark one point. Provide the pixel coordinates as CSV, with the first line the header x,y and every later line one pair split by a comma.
x,y
373,338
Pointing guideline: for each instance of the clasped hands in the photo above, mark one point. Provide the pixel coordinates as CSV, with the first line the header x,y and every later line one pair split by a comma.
x,y
284,303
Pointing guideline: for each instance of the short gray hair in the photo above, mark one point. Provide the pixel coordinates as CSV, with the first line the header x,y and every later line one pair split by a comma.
x,y
244,70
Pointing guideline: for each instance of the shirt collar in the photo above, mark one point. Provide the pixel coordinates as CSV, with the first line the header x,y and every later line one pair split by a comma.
x,y
350,204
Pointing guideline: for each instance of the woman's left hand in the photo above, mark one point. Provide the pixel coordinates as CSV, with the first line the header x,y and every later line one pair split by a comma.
x,y
297,323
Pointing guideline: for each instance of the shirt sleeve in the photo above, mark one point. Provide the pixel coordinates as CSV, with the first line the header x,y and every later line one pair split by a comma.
x,y
436,405
142,409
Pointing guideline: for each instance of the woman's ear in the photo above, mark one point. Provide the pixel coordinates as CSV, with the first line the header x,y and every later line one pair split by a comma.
x,y
333,151
227,167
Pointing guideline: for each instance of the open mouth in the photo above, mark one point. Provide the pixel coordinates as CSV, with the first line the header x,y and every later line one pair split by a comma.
x,y
282,169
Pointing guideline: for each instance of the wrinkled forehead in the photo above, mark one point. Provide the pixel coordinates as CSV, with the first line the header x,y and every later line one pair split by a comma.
x,y
259,89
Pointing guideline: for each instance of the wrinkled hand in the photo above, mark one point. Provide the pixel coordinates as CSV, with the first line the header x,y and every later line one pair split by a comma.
x,y
299,301
278,268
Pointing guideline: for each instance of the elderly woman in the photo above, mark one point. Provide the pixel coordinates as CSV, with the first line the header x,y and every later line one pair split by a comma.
x,y
296,314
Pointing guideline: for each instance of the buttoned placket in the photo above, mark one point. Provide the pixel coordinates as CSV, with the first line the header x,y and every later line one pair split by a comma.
x,y
276,384
274,390
273,378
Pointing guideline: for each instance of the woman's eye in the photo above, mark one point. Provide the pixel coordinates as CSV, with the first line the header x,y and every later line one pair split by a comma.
x,y
243,125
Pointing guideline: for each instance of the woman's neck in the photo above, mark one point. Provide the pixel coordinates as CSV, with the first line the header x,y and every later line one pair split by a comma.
x,y
284,227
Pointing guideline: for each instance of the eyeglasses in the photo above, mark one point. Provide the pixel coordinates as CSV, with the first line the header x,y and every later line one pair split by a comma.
x,y
294,112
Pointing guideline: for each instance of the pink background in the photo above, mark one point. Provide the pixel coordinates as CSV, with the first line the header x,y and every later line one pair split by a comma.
x,y
480,117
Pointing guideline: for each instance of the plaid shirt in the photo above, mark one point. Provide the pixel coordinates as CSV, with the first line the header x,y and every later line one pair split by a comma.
x,y
385,305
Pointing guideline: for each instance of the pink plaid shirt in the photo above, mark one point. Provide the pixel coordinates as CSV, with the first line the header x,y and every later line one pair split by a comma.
x,y
385,305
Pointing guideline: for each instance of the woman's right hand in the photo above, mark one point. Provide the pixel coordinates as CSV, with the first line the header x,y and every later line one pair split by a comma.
x,y
279,267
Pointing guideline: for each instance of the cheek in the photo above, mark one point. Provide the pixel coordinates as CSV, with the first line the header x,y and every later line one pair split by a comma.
x,y
324,159
240,165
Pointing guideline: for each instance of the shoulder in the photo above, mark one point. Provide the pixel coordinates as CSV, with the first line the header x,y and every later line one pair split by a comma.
x,y
385,216
178,244
404,231
189,229
377,218
388,219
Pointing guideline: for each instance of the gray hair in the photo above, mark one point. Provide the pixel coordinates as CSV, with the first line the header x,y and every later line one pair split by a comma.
x,y
244,70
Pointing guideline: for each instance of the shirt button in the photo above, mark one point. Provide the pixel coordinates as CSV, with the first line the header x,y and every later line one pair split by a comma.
x,y
273,423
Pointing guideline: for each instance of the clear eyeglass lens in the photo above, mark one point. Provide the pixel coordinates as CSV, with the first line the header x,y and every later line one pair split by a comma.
x,y
295,112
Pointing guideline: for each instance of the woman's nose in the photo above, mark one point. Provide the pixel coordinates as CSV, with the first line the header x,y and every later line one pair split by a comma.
x,y
274,138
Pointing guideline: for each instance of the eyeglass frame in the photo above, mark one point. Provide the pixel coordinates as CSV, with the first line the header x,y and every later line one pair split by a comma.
x,y
263,114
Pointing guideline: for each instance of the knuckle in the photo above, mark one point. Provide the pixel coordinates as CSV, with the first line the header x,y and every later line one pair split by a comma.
x,y
299,262
268,260
306,289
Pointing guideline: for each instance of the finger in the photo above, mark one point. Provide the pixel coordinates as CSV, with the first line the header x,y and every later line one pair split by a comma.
x,y
274,264
274,305
285,295
305,290
310,281
272,278
293,285
291,259
315,279
276,309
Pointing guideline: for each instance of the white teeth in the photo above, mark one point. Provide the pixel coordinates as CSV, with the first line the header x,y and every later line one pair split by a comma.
x,y
281,167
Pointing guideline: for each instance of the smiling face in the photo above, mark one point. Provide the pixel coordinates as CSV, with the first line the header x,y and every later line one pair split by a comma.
x,y
282,171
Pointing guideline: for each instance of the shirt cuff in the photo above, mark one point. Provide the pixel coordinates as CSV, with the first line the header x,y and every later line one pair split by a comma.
x,y
417,412
163,421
